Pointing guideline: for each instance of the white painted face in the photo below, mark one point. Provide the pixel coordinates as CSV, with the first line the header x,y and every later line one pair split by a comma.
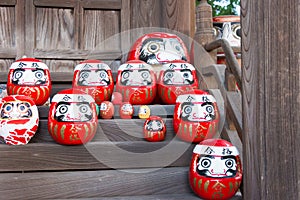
x,y
161,50
136,77
127,107
154,125
73,112
217,166
178,77
29,76
198,112
16,110
92,77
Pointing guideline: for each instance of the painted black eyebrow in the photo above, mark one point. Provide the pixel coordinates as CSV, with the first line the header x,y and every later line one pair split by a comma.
x,y
82,103
97,70
19,69
152,40
63,103
207,103
226,157
207,156
37,69
185,70
85,70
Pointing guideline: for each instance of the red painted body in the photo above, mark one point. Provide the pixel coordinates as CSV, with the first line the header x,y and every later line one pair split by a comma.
x,y
95,78
107,110
196,116
154,129
126,110
175,79
19,119
29,77
215,170
136,82
72,118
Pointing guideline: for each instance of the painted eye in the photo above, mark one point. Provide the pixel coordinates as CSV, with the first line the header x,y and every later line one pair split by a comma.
x,y
84,75
18,74
236,29
159,124
153,47
63,109
229,163
169,75
8,108
186,75
145,75
102,74
209,109
177,47
39,75
187,109
205,163
125,75
83,108
22,108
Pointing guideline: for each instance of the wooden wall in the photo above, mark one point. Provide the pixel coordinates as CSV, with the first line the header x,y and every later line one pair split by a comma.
x,y
271,103
62,33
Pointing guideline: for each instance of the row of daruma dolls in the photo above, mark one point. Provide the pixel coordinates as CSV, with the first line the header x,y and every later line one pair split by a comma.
x,y
215,169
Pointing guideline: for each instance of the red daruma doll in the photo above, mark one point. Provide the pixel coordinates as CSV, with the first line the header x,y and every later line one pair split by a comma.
x,y
196,116
95,78
215,169
72,117
19,119
176,78
29,77
158,48
136,82
154,129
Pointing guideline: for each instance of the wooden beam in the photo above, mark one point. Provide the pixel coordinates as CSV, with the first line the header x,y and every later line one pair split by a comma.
x,y
271,104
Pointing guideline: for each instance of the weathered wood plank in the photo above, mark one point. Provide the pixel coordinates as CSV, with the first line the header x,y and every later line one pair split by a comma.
x,y
102,4
7,26
56,3
271,87
89,184
95,155
7,2
234,110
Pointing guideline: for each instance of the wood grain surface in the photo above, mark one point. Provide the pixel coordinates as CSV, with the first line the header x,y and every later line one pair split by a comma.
x,y
271,85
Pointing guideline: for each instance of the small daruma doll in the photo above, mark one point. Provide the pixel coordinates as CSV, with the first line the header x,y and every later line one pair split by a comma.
x,y
176,78
158,48
154,129
126,110
29,77
19,119
136,82
72,117
95,78
215,169
196,116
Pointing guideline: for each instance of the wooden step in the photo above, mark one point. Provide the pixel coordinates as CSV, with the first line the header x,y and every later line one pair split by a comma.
x,y
92,184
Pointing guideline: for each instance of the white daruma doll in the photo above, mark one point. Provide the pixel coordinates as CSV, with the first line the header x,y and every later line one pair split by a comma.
x,y
158,48
95,78
72,117
176,78
29,77
196,116
19,119
215,169
136,82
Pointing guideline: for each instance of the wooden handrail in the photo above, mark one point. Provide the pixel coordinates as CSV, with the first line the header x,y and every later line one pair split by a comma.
x,y
231,60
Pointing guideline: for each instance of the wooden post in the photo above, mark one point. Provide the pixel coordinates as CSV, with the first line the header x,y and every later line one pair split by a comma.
x,y
271,99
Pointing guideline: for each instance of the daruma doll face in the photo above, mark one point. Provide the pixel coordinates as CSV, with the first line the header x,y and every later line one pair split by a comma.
x,y
136,82
159,48
215,169
19,119
176,78
72,117
95,78
196,116
29,77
